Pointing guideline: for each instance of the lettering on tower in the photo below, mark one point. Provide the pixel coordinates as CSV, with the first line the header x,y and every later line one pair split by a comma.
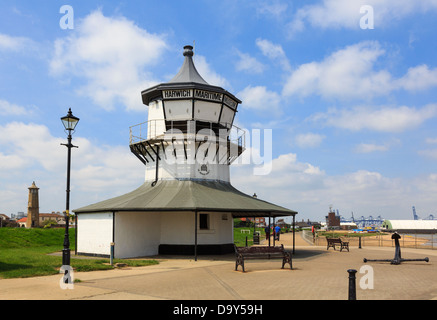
x,y
207,95
177,94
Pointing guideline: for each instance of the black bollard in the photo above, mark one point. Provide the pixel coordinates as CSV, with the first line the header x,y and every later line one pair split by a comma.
x,y
352,286
359,239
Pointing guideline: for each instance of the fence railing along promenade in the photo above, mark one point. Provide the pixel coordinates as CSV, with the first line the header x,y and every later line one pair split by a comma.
x,y
383,239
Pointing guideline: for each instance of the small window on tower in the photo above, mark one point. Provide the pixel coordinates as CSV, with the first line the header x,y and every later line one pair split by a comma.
x,y
203,221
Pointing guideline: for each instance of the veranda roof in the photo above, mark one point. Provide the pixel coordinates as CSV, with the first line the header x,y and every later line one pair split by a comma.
x,y
189,195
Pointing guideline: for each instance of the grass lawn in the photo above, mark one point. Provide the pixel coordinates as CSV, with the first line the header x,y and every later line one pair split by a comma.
x,y
25,253
240,237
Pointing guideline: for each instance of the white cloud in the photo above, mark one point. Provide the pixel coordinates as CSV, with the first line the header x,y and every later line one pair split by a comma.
x,y
273,52
418,78
275,9
309,190
7,108
30,152
345,74
248,63
335,14
14,43
429,153
208,74
370,147
431,140
350,73
385,119
112,55
309,140
260,99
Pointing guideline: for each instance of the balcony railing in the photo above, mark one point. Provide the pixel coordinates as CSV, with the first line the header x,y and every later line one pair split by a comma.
x,y
158,129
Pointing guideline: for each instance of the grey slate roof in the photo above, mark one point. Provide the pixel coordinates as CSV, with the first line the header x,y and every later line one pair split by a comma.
x,y
188,195
187,78
188,72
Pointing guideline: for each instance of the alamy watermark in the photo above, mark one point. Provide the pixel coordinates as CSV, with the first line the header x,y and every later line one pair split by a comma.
x,y
367,280
67,20
367,20
67,280
206,147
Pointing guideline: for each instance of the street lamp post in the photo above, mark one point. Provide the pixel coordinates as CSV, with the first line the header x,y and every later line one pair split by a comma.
x,y
69,122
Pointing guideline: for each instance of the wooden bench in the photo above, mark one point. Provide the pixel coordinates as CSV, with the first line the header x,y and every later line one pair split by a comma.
x,y
260,252
334,241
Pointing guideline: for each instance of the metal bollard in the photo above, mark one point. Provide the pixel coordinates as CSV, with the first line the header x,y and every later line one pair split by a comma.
x,y
112,253
352,285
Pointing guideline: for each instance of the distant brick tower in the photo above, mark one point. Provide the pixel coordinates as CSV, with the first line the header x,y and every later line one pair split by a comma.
x,y
33,207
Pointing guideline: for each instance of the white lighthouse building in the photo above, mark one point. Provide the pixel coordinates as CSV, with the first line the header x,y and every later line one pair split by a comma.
x,y
187,203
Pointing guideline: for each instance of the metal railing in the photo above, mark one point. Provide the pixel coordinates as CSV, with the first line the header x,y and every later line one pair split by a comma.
x,y
157,129
415,240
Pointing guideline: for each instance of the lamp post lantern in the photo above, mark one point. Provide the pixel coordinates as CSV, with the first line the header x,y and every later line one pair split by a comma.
x,y
69,122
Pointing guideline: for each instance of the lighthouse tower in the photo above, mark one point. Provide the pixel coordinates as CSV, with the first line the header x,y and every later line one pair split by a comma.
x,y
187,203
33,207
189,133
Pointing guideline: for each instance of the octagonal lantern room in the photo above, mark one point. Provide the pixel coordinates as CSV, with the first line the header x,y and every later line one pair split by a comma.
x,y
188,107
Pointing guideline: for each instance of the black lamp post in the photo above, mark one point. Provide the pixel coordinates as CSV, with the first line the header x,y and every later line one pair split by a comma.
x,y
69,122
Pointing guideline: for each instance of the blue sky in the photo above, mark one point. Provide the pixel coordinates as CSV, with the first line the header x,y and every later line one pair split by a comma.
x,y
353,111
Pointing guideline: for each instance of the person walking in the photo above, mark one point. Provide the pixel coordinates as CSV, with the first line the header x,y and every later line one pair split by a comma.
x,y
277,232
267,231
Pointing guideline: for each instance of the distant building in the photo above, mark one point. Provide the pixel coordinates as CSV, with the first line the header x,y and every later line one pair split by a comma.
x,y
44,218
259,221
413,226
56,217
22,223
333,220
3,219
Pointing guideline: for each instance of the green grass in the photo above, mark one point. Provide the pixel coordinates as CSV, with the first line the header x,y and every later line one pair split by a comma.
x,y
25,253
240,238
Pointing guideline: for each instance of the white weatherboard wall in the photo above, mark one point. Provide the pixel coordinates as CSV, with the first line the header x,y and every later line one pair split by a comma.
x,y
94,233
137,234
178,228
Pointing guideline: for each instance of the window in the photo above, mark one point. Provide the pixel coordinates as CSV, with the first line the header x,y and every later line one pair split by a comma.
x,y
203,221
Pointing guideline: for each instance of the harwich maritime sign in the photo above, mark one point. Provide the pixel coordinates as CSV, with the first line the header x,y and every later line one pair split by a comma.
x,y
199,94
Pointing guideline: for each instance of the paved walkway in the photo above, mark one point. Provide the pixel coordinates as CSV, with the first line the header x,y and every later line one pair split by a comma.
x,y
317,274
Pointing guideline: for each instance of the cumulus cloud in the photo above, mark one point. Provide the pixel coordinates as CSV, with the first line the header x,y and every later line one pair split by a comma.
x,y
351,73
259,98
336,14
310,190
418,78
112,55
370,147
384,119
208,73
309,140
274,9
10,43
346,73
248,64
274,52
7,108
98,171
